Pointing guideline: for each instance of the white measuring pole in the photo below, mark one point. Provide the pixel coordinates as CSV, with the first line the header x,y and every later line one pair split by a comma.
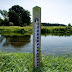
x,y
36,36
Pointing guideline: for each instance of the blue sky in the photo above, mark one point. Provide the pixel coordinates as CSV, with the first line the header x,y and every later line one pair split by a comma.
x,y
52,11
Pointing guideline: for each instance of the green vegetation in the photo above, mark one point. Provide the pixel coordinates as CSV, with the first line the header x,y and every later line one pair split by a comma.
x,y
56,29
19,16
4,13
16,16
15,29
69,24
53,24
23,62
53,30
15,62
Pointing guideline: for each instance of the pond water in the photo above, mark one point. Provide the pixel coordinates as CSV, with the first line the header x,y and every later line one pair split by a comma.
x,y
54,45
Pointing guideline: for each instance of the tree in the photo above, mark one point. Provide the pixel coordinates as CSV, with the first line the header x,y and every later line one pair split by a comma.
x,y
23,16
26,18
4,13
69,24
13,17
5,21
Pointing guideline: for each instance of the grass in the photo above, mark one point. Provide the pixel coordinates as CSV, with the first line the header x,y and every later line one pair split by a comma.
x,y
16,29
56,29
15,62
29,29
23,62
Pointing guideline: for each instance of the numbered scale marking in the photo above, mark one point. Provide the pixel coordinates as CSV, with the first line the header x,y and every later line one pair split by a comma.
x,y
36,42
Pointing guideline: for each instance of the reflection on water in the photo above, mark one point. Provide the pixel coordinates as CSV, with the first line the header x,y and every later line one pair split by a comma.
x,y
50,44
17,41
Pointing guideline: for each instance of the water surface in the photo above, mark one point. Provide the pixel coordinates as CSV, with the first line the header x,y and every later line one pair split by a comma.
x,y
53,45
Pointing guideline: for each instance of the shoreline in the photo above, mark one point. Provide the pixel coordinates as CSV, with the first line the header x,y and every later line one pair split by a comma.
x,y
53,30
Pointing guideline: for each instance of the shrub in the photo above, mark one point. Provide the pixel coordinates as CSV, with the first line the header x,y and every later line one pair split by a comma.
x,y
11,23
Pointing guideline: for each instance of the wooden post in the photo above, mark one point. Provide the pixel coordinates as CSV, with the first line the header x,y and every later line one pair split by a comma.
x,y
36,36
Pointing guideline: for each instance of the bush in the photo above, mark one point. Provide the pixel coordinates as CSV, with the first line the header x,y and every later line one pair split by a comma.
x,y
69,24
11,24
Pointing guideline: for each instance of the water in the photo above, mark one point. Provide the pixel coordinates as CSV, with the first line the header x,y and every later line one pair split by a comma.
x,y
53,45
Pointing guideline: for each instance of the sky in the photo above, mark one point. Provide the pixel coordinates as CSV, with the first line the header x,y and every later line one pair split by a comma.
x,y
52,11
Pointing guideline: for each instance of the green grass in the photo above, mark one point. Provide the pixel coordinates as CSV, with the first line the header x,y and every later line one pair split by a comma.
x,y
56,29
15,62
28,29
15,29
23,62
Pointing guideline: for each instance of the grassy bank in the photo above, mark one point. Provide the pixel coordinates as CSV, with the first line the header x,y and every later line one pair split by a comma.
x,y
28,29
22,62
16,29
56,29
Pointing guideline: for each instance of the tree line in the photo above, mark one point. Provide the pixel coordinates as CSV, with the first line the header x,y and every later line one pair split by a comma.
x,y
16,16
52,24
